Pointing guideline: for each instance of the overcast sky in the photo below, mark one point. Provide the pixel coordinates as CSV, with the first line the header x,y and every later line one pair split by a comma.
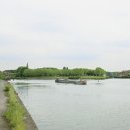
x,y
57,33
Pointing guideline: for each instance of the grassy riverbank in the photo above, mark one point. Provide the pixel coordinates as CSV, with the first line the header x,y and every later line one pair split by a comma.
x,y
95,77
67,77
15,111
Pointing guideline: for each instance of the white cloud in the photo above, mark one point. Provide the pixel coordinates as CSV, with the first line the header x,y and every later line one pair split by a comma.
x,y
65,32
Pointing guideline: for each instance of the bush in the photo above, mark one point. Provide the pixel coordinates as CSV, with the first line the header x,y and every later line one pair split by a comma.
x,y
7,88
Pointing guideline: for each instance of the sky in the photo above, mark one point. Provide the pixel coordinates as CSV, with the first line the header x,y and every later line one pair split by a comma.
x,y
72,33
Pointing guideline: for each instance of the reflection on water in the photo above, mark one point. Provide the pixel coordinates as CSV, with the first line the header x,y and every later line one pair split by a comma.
x,y
103,105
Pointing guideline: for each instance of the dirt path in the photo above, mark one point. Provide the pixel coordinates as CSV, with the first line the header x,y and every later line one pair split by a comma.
x,y
3,98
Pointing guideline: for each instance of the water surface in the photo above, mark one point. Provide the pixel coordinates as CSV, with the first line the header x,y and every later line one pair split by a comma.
x,y
96,106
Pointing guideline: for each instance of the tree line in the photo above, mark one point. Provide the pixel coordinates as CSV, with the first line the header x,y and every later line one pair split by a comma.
x,y
41,72
25,72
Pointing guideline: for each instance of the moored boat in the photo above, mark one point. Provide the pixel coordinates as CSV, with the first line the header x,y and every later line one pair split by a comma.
x,y
79,82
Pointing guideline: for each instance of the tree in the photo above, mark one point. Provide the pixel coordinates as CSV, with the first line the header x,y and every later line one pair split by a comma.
x,y
65,68
2,76
99,71
20,71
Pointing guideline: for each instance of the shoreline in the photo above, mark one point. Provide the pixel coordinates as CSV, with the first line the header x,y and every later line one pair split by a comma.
x,y
30,123
28,120
52,78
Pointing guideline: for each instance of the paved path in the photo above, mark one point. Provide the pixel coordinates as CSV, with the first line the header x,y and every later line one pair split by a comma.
x,y
3,98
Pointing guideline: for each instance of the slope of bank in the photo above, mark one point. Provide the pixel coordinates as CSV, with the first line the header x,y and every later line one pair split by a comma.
x,y
3,105
30,124
16,113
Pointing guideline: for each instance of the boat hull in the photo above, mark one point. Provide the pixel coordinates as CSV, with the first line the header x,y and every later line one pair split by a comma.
x,y
81,82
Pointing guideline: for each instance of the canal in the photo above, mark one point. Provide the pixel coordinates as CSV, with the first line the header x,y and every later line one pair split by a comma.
x,y
96,106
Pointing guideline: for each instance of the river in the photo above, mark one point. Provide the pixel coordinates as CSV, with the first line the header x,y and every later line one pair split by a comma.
x,y
96,106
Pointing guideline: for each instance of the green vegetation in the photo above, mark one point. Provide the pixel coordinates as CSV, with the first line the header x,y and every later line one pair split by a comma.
x,y
15,111
95,77
76,73
99,71
20,71
7,88
2,76
74,77
122,74
70,73
50,73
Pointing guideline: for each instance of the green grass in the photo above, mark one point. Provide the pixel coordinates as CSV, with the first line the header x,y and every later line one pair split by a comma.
x,y
94,77
15,111
74,77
